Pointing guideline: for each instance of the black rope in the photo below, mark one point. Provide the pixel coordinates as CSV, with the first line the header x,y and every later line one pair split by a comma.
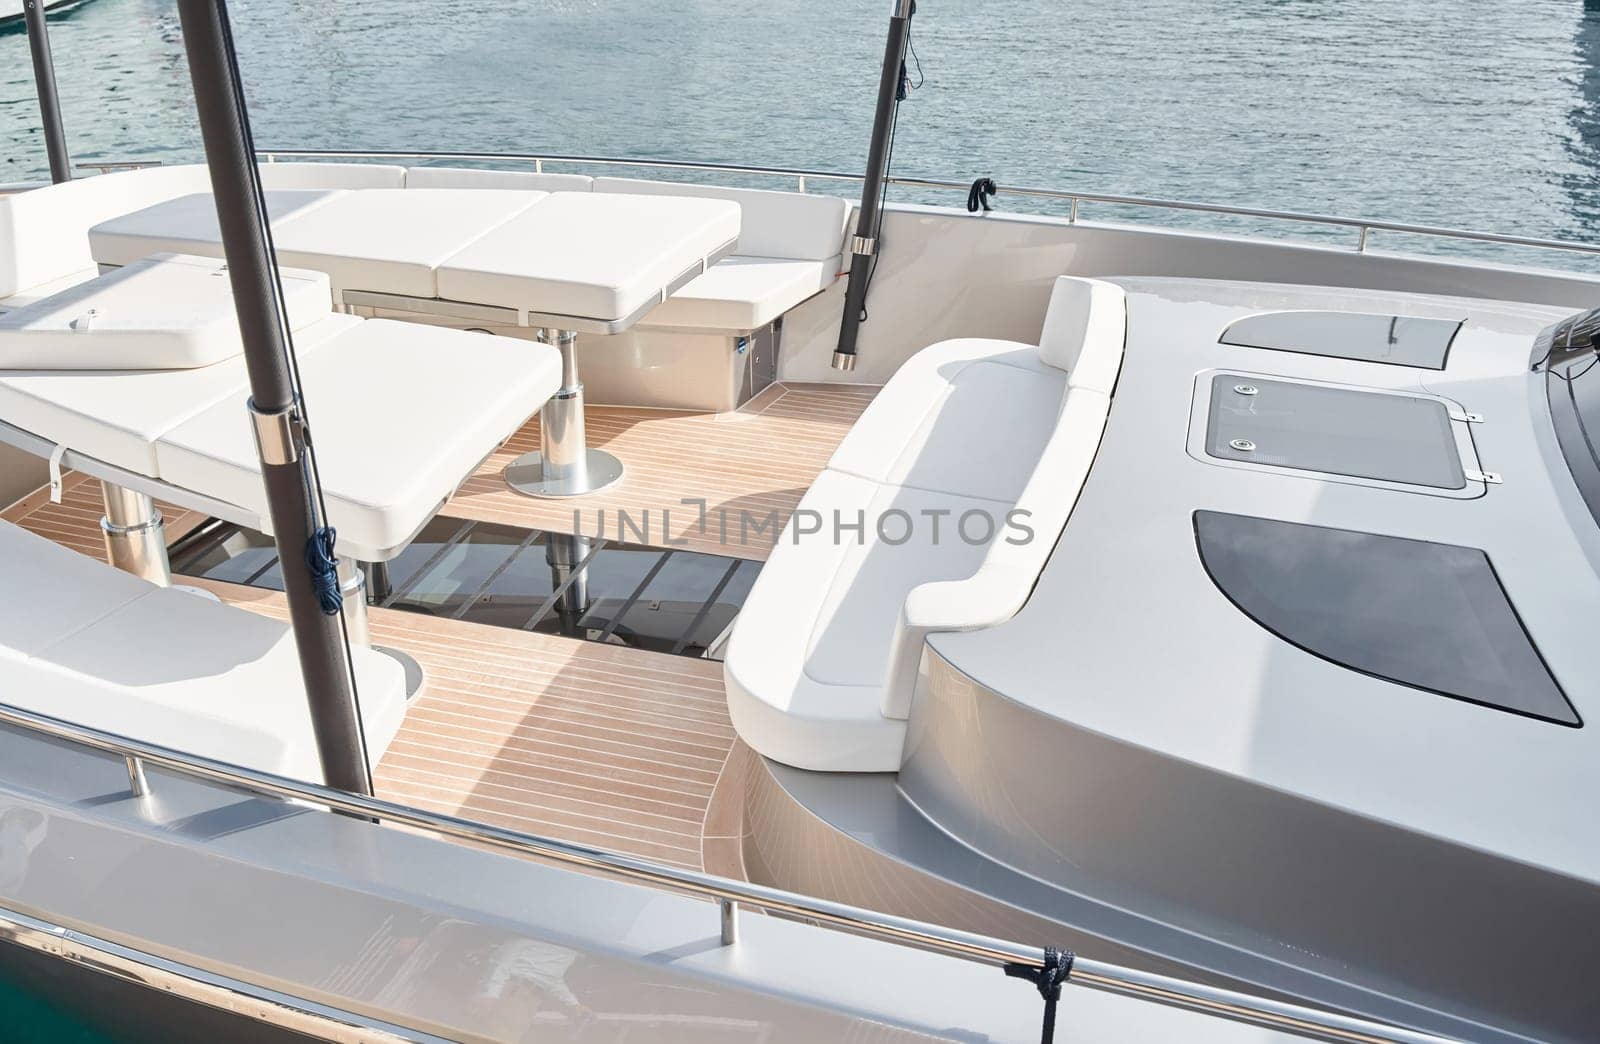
x,y
1048,980
978,195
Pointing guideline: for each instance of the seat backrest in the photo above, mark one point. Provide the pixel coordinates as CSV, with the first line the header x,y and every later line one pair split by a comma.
x,y
472,177
795,226
1084,330
44,233
331,176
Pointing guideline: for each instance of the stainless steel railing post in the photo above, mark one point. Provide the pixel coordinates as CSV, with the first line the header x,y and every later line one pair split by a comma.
x,y
137,782
729,911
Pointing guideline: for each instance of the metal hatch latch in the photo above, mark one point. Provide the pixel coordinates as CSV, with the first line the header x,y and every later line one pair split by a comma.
x,y
1492,478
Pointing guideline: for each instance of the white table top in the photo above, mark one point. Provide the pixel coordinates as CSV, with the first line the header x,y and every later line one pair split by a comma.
x,y
188,225
578,260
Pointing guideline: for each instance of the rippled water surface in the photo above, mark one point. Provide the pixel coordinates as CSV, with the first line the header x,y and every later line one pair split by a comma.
x,y
1481,115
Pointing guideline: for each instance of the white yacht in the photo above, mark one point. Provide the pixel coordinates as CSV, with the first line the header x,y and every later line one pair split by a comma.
x,y
654,643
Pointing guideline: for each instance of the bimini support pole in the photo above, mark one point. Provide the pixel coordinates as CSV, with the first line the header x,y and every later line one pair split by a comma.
x,y
277,416
44,77
864,244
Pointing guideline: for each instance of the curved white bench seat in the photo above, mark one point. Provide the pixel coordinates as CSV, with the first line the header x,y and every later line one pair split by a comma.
x,y
401,412
82,641
790,248
961,475
743,293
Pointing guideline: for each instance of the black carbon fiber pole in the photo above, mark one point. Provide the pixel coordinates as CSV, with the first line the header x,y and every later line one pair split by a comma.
x,y
864,244
44,78
224,126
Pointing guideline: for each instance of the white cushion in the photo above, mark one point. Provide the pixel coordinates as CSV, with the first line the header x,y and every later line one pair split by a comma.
x,y
968,416
391,240
48,289
1084,330
44,232
400,412
117,415
743,293
582,255
167,667
331,176
188,225
475,178
778,707
52,593
167,312
793,225
989,427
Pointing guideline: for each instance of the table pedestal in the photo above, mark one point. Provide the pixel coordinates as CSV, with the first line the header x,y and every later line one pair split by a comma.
x,y
564,466
136,541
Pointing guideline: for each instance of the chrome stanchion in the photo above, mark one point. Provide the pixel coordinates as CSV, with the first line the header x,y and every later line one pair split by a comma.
x,y
564,465
353,586
136,540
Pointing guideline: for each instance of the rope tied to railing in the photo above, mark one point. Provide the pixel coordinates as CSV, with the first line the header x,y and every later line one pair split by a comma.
x,y
978,195
1048,979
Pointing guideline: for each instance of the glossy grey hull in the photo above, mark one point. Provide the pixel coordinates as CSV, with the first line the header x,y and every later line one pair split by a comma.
x,y
1170,866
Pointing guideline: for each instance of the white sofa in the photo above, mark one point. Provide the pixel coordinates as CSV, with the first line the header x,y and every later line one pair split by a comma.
x,y
825,657
44,233
790,247
87,643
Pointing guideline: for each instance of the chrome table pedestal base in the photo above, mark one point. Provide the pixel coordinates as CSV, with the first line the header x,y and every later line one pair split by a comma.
x,y
353,587
564,465
136,540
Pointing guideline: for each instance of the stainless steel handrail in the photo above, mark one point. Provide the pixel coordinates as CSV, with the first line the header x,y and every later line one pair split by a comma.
x,y
727,893
1363,226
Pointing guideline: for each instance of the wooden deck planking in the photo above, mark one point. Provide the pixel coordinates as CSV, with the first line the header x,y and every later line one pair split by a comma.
x,y
601,745
759,459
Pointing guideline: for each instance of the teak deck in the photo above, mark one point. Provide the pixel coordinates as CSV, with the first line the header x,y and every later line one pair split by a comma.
x,y
756,461
608,746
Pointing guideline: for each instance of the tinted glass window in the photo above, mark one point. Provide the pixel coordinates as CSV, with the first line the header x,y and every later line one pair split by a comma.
x,y
1574,391
1401,340
1337,431
1431,616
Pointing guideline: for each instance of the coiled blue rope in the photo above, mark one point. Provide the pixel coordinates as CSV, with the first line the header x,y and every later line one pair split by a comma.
x,y
324,567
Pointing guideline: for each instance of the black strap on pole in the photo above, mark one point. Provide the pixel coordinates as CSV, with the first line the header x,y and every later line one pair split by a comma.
x,y
44,78
864,244
294,496
1048,979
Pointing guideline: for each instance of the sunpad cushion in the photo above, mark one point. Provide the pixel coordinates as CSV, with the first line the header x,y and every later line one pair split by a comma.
x,y
116,416
168,312
428,416
188,225
391,240
168,667
604,269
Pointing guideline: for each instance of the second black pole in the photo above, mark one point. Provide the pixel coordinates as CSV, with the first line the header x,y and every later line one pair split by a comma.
x,y
865,242
319,638
44,79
